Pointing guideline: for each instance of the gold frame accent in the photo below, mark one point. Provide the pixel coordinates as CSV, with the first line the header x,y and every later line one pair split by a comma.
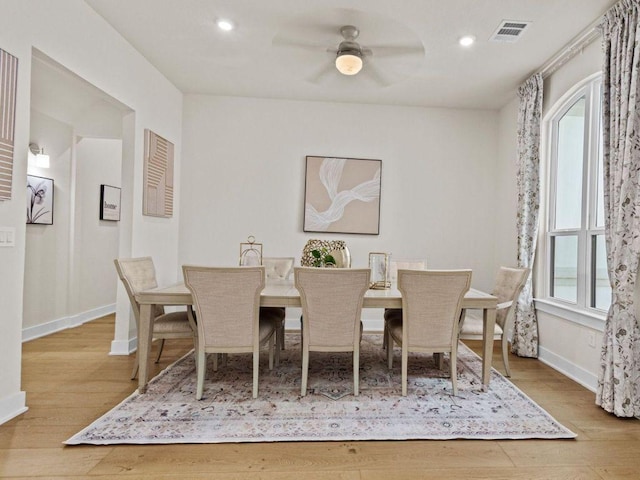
x,y
250,249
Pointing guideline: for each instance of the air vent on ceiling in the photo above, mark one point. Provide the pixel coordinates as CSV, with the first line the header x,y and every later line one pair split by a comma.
x,y
509,31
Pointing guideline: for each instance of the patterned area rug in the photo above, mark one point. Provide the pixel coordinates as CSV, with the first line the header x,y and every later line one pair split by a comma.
x,y
169,412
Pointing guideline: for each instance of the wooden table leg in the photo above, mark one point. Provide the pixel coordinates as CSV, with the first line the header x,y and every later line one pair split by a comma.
x,y
144,345
489,319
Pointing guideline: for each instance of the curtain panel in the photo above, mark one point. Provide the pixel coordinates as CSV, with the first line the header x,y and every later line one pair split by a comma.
x,y
525,333
618,389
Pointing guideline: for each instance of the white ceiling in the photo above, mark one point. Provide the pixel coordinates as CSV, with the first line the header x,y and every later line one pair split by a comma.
x,y
257,59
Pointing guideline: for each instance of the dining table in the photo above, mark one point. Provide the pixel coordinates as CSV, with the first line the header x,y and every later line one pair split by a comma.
x,y
282,293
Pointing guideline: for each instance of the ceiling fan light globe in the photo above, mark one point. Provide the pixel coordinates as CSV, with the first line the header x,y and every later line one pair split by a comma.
x,y
348,64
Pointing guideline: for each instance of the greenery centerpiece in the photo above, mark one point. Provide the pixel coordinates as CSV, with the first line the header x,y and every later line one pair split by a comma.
x,y
322,258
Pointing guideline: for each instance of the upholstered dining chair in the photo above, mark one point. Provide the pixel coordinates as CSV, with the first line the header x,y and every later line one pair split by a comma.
x,y
431,304
277,268
508,286
394,266
331,307
227,305
138,274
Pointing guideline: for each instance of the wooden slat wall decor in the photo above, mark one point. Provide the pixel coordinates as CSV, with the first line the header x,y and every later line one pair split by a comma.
x,y
8,85
158,176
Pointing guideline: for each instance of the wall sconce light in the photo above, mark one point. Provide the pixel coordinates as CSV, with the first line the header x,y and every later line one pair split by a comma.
x,y
38,157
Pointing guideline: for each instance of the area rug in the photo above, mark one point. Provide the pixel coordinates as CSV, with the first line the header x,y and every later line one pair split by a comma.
x,y
169,412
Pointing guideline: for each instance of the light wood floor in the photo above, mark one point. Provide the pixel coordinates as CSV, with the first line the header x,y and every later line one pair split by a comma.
x,y
70,381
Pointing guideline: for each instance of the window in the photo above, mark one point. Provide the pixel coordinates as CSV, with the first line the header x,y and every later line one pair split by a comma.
x,y
576,260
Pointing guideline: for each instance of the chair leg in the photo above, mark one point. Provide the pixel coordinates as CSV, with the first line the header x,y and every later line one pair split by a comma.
x,y
389,350
215,362
453,359
405,360
385,341
505,355
281,335
273,349
134,373
256,370
438,358
356,372
160,350
201,366
279,341
195,350
305,372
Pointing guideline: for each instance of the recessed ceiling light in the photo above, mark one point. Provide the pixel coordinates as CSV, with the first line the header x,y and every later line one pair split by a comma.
x,y
225,25
467,40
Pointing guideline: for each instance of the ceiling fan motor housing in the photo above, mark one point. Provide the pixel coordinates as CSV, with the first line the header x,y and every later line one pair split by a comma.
x,y
349,48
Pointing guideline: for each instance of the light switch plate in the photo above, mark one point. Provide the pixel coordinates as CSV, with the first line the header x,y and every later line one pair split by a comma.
x,y
7,237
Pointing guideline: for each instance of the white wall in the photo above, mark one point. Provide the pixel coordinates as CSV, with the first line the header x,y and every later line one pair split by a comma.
x,y
46,279
69,276
506,206
72,34
98,162
243,174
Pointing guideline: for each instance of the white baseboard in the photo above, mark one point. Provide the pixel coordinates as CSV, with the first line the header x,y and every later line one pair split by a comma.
x,y
576,373
37,331
124,347
11,407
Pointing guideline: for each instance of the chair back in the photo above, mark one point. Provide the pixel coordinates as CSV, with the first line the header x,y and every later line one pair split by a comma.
x,y
431,305
227,302
137,274
331,305
509,285
278,268
396,265
337,248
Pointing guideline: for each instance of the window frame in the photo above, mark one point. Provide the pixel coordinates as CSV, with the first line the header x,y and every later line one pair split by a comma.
x,y
591,89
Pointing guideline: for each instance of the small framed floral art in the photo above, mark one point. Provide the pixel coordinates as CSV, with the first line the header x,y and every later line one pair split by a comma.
x,y
39,200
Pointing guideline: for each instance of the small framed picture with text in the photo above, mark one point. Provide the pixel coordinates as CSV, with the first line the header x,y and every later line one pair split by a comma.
x,y
109,203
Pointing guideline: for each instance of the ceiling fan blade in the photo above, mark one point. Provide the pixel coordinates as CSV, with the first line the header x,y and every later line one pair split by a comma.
x,y
296,43
392,50
318,75
376,75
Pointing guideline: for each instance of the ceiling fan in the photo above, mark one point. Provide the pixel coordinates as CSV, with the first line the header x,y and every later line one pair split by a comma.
x,y
349,53
351,57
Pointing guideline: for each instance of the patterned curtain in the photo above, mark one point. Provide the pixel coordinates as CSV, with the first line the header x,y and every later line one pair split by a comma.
x,y
619,380
525,333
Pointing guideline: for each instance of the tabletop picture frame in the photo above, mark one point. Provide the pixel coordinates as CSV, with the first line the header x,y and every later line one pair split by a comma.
x,y
342,195
109,203
39,200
